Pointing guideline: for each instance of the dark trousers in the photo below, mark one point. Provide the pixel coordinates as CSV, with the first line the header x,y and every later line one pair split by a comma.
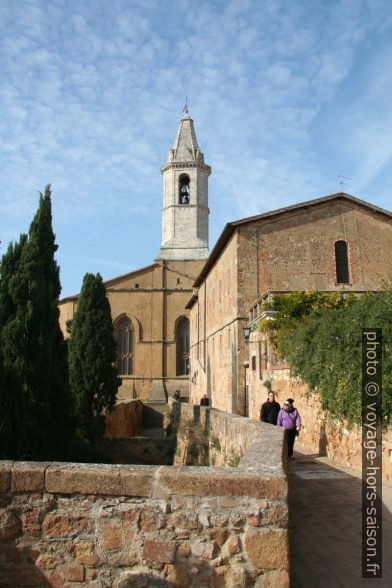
x,y
290,433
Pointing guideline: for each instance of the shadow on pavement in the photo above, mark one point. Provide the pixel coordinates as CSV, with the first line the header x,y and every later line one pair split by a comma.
x,y
326,524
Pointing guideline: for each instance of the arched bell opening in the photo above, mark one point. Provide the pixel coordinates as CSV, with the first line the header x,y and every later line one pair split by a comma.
x,y
184,189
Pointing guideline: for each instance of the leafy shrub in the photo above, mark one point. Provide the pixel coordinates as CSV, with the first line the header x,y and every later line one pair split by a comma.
x,y
321,337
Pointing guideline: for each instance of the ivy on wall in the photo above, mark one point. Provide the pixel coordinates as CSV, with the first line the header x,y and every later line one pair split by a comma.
x,y
320,335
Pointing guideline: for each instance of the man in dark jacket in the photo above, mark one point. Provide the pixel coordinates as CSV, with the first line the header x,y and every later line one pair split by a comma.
x,y
270,410
205,401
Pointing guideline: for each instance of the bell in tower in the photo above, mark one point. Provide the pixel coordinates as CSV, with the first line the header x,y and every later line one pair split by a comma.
x,y
185,198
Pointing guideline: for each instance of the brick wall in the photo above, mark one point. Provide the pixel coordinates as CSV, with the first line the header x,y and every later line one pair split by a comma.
x,y
103,526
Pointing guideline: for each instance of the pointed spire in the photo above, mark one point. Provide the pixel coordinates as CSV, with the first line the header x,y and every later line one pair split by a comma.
x,y
185,146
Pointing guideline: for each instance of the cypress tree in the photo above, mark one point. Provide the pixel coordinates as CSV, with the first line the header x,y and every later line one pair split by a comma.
x,y
92,352
12,413
34,344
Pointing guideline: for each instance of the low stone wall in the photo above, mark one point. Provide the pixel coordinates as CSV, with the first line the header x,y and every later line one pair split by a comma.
x,y
228,437
125,420
118,525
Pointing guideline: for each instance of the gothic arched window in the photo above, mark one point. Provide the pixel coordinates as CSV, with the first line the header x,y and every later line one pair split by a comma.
x,y
183,189
341,259
125,344
182,346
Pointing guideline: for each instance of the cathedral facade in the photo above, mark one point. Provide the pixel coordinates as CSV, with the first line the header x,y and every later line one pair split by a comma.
x,y
151,323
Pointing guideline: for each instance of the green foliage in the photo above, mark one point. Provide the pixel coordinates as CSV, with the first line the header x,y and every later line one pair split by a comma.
x,y
215,444
92,352
32,342
234,459
323,343
291,308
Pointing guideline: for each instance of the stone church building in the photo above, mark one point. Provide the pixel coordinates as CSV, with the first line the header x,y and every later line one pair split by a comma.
x,y
151,323
179,321
335,243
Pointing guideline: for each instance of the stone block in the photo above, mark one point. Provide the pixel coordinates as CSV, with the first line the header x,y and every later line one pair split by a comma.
x,y
110,537
178,575
85,553
183,550
276,578
203,549
69,478
54,579
5,476
276,514
219,536
233,545
159,551
130,516
221,482
229,577
10,525
47,561
151,519
267,549
184,520
137,480
64,524
28,476
138,579
73,573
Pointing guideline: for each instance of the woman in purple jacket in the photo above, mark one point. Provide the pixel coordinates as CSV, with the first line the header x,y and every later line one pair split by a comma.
x,y
289,419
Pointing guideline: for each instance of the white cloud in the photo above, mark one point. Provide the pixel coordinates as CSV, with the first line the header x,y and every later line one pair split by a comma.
x,y
91,95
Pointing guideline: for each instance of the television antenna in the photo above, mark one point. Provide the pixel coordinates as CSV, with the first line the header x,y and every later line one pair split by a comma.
x,y
342,182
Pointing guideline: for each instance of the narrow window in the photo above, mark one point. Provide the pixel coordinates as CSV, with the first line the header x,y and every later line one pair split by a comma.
x,y
183,189
341,258
125,343
182,346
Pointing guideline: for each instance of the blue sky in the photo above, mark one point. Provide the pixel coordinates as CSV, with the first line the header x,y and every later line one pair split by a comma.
x,y
285,95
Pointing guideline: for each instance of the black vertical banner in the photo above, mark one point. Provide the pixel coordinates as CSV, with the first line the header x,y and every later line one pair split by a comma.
x,y
371,453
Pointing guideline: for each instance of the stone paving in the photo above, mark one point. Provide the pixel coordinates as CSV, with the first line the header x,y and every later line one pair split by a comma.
x,y
325,525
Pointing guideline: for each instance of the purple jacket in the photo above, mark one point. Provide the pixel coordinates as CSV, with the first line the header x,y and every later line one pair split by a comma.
x,y
288,420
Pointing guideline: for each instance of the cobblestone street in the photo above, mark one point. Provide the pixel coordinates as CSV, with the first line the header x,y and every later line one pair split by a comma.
x,y
325,525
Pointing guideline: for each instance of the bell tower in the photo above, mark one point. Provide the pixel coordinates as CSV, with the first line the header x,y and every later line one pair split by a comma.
x,y
185,198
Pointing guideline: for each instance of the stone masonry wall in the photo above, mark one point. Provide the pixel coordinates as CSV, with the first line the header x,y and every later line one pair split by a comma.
x,y
320,432
229,436
103,526
326,435
125,420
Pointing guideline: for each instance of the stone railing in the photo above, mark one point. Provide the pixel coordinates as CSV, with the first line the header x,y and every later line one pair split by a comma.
x,y
121,525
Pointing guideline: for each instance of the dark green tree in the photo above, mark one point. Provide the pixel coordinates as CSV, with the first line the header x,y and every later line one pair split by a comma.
x,y
92,352
33,344
12,413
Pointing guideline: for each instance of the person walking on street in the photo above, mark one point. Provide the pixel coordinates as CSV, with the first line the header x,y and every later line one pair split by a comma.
x,y
289,419
270,410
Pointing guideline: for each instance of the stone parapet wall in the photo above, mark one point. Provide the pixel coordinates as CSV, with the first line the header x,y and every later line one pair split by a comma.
x,y
120,525
125,420
229,436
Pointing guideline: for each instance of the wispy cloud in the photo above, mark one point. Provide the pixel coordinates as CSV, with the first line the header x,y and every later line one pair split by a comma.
x,y
91,95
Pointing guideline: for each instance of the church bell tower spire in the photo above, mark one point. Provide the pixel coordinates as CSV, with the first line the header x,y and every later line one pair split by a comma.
x,y
185,197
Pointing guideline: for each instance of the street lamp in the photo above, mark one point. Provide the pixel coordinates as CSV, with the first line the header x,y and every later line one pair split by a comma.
x,y
246,333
